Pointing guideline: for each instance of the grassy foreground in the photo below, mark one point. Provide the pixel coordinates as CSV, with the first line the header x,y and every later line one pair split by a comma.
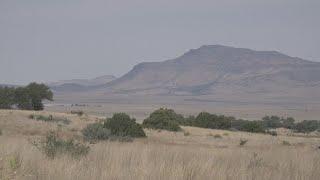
x,y
193,154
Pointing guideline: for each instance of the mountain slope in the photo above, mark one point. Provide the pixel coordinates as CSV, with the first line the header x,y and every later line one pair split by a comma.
x,y
80,84
222,70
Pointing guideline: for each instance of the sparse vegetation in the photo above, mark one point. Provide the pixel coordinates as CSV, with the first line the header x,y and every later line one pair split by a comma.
x,y
243,142
165,119
79,112
186,133
160,155
49,118
96,131
53,146
286,143
217,136
15,161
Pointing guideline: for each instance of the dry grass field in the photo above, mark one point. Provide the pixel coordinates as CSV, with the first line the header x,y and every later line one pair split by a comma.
x,y
192,154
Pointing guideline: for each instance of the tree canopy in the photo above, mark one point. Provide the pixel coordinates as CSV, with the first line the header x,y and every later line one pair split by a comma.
x,y
29,97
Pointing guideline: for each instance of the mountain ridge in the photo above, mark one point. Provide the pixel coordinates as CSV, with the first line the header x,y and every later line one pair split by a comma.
x,y
210,68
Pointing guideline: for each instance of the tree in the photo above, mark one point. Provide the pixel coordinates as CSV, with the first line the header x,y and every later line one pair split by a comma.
x,y
27,98
6,97
272,121
307,126
288,123
37,93
22,98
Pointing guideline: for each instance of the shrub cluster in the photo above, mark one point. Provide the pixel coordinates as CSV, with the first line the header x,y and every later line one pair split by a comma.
x,y
28,98
53,146
49,118
165,119
96,131
119,127
122,125
307,126
212,121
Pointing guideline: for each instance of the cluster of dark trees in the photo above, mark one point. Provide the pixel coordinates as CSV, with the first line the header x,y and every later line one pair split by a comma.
x,y
169,120
29,97
120,127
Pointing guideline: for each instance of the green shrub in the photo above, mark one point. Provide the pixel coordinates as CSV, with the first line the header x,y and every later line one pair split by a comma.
x,y
96,131
49,118
189,121
122,125
307,126
252,126
165,119
0,132
288,123
53,146
212,121
272,121
15,161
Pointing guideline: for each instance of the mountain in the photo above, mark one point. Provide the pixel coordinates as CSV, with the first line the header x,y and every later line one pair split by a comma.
x,y
80,84
224,72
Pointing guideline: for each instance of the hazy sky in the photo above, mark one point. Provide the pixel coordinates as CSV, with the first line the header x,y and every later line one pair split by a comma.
x,y
48,40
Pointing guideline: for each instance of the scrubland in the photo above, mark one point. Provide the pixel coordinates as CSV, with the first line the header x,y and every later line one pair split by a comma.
x,y
193,153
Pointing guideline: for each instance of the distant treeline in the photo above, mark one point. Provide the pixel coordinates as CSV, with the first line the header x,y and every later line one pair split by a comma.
x,y
29,97
169,120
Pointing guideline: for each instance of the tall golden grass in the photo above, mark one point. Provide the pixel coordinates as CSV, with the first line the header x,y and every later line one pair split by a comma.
x,y
163,155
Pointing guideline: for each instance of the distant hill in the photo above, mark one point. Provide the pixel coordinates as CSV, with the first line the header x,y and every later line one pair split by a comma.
x,y
222,71
80,84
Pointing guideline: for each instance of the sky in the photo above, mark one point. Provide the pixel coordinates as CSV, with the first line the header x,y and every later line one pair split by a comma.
x,y
46,41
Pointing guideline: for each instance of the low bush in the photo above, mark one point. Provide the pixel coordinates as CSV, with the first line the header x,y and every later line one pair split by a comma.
x,y
96,131
0,132
165,119
49,118
252,126
307,126
79,113
243,142
212,121
122,125
53,146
